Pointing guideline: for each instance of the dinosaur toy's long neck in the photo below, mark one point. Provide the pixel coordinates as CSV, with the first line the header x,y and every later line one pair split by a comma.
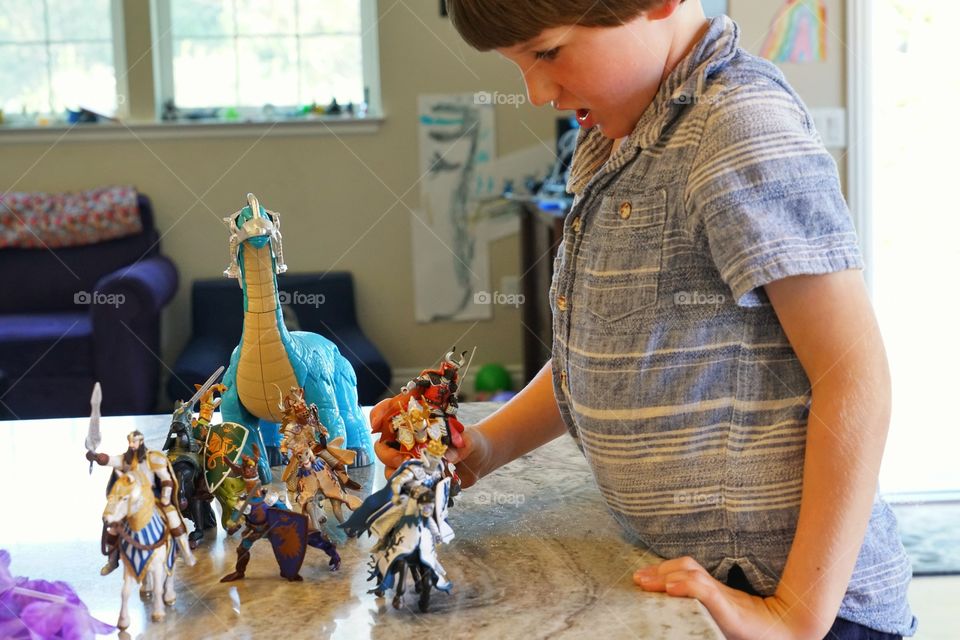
x,y
264,361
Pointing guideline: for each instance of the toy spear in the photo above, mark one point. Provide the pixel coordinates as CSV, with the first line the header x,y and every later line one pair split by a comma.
x,y
93,431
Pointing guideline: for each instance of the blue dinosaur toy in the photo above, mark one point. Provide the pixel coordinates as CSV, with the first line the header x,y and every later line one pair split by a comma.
x,y
270,359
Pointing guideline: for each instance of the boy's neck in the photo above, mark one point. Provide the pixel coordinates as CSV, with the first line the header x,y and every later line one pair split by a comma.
x,y
692,25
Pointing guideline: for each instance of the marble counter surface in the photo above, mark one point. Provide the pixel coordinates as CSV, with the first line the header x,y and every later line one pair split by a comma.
x,y
536,555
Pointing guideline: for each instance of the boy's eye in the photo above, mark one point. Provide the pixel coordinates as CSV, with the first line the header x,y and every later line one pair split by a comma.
x,y
550,54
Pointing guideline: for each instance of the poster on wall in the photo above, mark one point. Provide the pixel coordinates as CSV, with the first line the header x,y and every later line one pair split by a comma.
x,y
463,208
456,136
798,33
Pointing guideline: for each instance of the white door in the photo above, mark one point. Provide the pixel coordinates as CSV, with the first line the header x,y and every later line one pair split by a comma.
x,y
912,189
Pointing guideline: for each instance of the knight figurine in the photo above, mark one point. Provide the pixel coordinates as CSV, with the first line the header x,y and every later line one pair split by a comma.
x,y
155,467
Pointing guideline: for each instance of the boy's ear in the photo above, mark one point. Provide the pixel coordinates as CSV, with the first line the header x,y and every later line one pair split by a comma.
x,y
664,10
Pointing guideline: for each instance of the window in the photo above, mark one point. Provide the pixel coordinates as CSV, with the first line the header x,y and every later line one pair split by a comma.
x,y
228,59
58,54
241,55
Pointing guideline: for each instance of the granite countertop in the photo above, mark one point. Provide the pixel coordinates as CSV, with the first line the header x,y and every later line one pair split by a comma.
x,y
536,555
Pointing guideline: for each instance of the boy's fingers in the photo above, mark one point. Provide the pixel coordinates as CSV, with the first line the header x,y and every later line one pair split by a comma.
x,y
388,456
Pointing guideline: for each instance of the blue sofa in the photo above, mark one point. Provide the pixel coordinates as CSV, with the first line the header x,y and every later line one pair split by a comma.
x,y
76,315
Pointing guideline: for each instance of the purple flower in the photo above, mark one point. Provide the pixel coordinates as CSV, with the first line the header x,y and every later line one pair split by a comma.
x,y
37,609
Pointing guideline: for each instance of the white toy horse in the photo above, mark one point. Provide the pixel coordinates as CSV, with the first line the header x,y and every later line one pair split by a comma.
x,y
146,548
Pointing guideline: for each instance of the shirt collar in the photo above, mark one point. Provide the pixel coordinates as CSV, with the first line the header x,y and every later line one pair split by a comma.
x,y
684,86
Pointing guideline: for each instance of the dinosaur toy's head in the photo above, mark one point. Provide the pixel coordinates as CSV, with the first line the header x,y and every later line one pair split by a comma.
x,y
257,227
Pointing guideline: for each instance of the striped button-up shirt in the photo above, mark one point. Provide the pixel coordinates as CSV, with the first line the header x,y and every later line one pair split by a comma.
x,y
670,367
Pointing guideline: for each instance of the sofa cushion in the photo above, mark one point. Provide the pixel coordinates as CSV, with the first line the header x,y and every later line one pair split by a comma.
x,y
54,220
46,344
55,280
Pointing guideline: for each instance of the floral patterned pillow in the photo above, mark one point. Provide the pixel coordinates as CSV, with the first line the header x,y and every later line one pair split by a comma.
x,y
53,220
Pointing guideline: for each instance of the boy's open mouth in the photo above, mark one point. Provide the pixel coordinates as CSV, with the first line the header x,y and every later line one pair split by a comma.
x,y
583,117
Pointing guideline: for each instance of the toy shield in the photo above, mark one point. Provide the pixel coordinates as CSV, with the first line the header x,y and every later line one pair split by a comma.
x,y
224,442
288,537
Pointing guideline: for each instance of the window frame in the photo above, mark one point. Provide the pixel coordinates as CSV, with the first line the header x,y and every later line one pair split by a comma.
x,y
160,21
860,126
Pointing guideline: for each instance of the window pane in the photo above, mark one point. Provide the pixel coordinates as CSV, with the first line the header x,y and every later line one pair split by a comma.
x,y
274,17
268,71
79,19
21,21
331,66
329,16
83,76
202,18
23,78
205,73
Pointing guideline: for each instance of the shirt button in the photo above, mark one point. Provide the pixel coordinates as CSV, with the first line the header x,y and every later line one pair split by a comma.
x,y
625,210
576,225
562,303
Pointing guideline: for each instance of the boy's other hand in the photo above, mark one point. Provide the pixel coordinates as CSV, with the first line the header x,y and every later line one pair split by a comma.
x,y
390,457
738,614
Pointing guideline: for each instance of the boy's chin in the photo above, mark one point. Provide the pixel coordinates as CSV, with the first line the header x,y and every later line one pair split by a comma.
x,y
613,132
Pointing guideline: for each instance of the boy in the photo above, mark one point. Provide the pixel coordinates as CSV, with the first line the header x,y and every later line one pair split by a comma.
x,y
715,353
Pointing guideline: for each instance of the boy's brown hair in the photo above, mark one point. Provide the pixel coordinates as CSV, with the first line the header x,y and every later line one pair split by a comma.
x,y
493,24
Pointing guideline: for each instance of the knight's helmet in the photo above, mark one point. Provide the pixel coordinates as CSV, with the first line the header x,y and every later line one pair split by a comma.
x,y
450,367
432,454
294,406
254,227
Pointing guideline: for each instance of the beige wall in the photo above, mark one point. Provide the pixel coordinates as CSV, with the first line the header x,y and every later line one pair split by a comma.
x,y
339,196
820,84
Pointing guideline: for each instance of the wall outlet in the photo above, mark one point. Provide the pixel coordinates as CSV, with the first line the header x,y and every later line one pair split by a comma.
x,y
831,123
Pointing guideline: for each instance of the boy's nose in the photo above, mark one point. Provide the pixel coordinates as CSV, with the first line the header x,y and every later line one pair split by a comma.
x,y
540,90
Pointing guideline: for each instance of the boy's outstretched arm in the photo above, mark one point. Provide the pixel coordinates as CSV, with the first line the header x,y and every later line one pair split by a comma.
x,y
832,328
529,420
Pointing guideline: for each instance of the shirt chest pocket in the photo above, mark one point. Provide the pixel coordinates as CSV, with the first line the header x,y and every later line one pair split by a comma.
x,y
621,259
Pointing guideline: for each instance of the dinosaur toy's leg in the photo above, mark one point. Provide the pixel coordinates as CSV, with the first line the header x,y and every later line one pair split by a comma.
x,y
233,411
357,432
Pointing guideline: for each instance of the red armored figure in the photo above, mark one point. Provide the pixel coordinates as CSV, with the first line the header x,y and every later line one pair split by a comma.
x,y
438,389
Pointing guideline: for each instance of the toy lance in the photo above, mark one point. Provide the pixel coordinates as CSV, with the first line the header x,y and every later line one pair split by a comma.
x,y
93,431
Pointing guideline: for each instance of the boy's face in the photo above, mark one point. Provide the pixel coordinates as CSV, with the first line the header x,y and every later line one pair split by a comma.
x,y
608,75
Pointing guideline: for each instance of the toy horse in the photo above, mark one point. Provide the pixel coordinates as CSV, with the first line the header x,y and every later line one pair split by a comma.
x,y
269,357
146,547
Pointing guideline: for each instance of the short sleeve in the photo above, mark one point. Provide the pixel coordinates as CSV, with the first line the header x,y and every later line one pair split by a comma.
x,y
767,194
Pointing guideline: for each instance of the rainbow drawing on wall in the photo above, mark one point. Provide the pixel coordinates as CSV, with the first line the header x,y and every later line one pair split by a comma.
x,y
798,33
